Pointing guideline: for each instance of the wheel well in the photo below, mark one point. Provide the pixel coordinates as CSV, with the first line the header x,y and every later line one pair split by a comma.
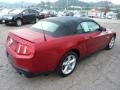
x,y
76,51
72,50
18,18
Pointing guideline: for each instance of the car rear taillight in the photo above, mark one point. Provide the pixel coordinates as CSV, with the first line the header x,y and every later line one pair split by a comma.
x,y
24,49
20,46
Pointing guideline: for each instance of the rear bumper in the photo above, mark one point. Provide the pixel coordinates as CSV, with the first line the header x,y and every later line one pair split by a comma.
x,y
37,63
19,69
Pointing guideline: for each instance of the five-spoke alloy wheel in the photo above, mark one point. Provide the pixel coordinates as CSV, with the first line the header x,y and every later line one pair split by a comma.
x,y
68,64
111,43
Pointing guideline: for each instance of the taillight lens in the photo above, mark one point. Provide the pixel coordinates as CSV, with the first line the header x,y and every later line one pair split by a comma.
x,y
24,49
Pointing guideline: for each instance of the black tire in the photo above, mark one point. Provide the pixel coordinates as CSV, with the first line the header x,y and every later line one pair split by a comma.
x,y
63,60
111,43
29,76
36,20
19,22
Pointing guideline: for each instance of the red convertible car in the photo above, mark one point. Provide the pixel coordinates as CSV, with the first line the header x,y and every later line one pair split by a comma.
x,y
56,44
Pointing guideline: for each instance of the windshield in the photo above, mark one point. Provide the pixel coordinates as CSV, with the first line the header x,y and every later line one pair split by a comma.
x,y
49,27
17,11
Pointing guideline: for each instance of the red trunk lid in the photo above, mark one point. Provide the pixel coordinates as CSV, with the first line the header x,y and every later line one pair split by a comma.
x,y
29,35
22,41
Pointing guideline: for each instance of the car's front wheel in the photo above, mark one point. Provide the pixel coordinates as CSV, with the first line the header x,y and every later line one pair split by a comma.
x,y
111,43
68,64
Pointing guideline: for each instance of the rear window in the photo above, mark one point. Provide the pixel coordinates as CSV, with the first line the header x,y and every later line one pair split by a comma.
x,y
49,27
53,28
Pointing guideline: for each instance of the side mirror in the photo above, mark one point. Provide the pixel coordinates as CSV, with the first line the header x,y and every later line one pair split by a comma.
x,y
102,29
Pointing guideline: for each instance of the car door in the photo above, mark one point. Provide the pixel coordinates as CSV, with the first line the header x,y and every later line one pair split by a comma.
x,y
93,36
32,16
101,35
26,16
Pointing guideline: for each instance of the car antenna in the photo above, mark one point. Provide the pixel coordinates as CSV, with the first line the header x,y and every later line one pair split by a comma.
x,y
43,32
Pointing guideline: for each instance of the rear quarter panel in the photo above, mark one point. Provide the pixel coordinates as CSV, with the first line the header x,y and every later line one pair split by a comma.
x,y
49,53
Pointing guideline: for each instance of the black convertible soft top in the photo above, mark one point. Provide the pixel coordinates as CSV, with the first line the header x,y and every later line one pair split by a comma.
x,y
67,20
67,24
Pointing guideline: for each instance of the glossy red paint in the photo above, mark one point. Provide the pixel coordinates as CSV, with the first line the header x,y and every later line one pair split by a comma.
x,y
46,55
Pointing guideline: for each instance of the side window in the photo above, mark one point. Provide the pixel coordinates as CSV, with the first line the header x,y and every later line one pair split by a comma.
x,y
93,26
31,11
79,29
85,26
25,12
89,26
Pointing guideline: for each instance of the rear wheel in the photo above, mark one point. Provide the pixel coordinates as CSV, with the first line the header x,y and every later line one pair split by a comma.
x,y
18,22
68,64
111,43
37,20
